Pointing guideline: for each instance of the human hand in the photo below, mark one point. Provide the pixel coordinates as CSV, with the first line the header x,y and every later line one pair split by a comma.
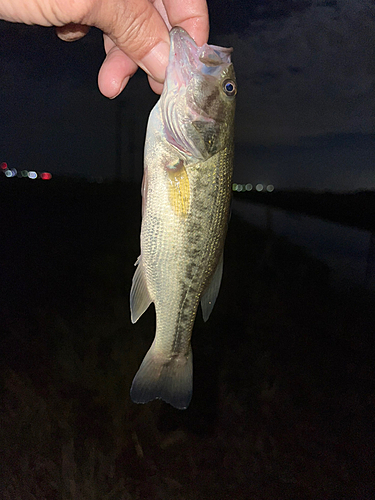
x,y
135,31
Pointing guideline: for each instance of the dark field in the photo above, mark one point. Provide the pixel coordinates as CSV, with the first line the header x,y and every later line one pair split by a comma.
x,y
355,209
284,379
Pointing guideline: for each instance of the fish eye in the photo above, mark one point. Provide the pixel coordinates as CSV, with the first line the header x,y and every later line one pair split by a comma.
x,y
229,88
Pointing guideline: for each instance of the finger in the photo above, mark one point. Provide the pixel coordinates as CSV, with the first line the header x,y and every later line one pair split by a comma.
x,y
192,15
138,30
72,32
155,86
116,70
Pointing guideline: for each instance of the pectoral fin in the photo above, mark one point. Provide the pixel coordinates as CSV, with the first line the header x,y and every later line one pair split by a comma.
x,y
209,296
144,191
139,296
179,189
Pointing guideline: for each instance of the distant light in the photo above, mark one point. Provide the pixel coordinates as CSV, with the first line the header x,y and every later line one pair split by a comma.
x,y
4,165
239,188
234,187
249,187
270,188
46,176
14,172
259,187
32,175
24,173
8,173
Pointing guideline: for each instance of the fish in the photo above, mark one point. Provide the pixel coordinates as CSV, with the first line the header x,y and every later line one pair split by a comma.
x,y
186,196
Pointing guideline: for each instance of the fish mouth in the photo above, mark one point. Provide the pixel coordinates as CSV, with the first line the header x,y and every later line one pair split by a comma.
x,y
183,57
186,58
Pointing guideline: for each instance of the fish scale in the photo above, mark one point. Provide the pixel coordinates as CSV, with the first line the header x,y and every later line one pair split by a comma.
x,y
186,200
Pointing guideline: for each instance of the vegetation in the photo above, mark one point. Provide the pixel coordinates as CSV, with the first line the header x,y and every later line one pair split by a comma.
x,y
283,403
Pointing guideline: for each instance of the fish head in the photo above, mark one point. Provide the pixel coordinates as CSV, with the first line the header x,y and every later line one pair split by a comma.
x,y
198,99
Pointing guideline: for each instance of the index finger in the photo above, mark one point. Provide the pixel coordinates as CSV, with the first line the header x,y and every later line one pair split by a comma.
x,y
192,15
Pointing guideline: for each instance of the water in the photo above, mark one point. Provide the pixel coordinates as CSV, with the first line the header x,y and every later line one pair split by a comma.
x,y
343,248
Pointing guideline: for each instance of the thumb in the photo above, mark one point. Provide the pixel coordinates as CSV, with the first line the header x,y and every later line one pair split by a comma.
x,y
136,27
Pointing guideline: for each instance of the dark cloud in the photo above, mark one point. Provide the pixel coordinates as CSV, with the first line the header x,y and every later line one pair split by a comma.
x,y
310,73
244,16
334,162
295,70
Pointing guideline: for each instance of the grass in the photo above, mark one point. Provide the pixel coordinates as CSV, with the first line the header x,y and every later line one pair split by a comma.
x,y
283,402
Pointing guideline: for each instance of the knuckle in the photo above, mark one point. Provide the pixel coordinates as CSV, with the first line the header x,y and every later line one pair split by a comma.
x,y
72,11
137,33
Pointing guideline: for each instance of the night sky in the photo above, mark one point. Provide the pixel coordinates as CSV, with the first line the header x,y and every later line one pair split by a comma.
x,y
305,109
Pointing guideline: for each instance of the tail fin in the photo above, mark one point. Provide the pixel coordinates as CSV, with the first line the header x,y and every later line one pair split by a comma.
x,y
160,378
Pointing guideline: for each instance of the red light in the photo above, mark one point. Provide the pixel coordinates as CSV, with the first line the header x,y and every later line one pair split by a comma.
x,y
46,176
4,165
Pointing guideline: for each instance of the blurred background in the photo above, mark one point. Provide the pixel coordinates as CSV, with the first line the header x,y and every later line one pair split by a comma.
x,y
284,382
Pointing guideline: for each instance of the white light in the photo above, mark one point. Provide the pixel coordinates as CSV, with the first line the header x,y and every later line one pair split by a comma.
x,y
259,187
32,175
249,187
239,188
270,188
8,173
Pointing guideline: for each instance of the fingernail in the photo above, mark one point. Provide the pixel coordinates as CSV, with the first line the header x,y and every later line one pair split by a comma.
x,y
156,61
122,86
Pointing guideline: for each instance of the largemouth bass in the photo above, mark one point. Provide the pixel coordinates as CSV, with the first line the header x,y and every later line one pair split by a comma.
x,y
186,193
